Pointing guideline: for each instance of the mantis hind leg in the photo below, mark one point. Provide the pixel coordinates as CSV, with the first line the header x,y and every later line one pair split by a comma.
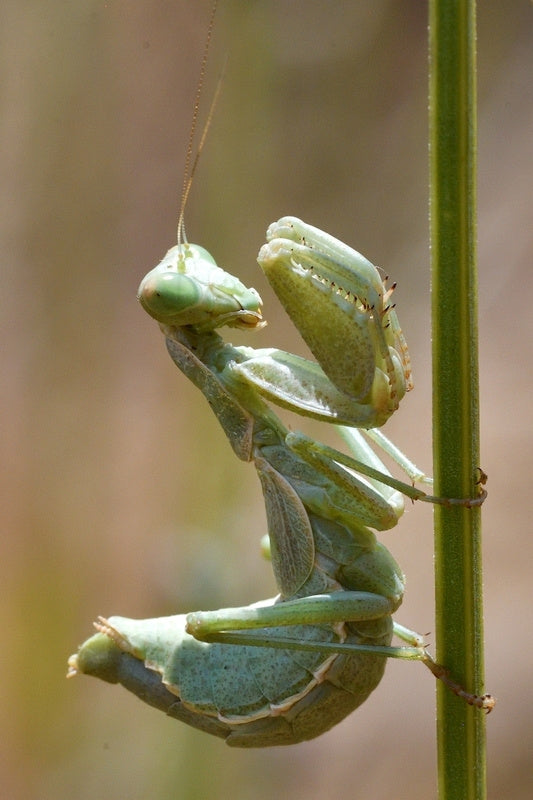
x,y
243,625
240,626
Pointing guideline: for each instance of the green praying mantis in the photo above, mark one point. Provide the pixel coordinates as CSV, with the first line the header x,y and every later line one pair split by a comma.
x,y
286,669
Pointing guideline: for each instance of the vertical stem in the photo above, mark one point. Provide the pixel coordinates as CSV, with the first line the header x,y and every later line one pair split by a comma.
x,y
452,96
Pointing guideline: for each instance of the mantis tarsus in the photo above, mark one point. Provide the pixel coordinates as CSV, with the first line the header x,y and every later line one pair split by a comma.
x,y
287,669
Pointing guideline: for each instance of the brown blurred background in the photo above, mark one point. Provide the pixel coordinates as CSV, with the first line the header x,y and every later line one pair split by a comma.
x,y
119,492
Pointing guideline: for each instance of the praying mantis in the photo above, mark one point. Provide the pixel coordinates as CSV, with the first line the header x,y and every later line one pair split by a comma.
x,y
285,670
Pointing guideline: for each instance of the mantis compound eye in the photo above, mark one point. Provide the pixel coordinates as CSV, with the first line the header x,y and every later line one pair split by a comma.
x,y
166,295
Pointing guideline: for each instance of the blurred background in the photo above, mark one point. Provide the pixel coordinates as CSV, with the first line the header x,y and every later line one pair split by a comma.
x,y
120,494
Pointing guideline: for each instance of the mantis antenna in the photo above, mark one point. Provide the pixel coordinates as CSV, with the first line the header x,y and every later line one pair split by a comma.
x,y
189,171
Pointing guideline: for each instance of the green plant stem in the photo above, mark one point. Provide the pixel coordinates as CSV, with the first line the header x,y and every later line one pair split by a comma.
x,y
459,618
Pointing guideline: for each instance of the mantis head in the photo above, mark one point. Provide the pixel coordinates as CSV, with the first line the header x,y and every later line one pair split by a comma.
x,y
188,288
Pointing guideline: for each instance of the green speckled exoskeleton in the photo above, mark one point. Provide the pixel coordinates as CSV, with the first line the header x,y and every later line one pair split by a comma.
x,y
286,669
